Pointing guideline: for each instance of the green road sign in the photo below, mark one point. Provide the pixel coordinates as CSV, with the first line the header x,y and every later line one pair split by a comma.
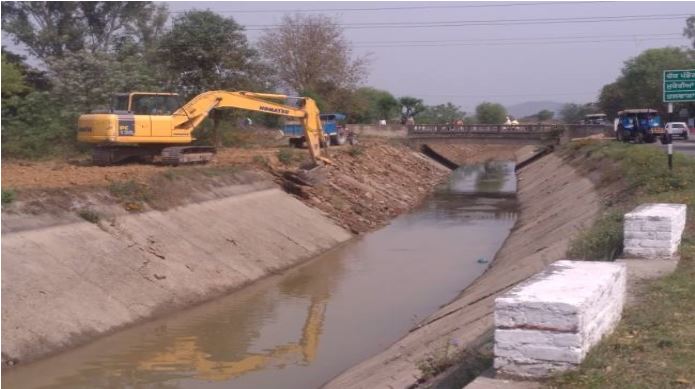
x,y
679,85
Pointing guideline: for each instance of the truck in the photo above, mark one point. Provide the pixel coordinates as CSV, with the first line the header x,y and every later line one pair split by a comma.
x,y
638,125
145,125
334,130
600,119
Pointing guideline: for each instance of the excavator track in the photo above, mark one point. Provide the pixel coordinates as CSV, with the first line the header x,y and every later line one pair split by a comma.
x,y
112,155
183,155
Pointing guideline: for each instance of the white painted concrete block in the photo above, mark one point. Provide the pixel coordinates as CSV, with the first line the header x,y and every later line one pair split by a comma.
x,y
654,230
549,322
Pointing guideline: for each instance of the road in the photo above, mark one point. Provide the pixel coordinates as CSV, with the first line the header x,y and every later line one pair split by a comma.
x,y
685,147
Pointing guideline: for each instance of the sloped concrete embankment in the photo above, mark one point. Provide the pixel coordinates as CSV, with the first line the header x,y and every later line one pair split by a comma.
x,y
64,284
556,203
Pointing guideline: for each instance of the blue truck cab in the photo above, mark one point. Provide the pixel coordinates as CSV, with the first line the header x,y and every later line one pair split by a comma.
x,y
639,125
333,128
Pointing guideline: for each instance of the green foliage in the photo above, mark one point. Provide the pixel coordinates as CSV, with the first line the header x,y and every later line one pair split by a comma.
x,y
12,79
544,115
603,241
646,173
285,156
442,113
53,29
640,82
131,194
490,113
84,81
410,106
260,160
356,151
89,215
573,113
204,51
36,125
8,196
370,105
689,30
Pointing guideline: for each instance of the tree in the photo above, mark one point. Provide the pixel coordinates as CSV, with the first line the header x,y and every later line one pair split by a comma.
x,y
490,113
573,113
611,99
410,106
53,29
310,53
205,51
640,82
370,104
689,30
545,115
84,80
442,113
12,79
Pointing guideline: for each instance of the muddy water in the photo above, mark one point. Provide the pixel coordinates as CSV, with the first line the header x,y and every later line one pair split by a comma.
x,y
299,329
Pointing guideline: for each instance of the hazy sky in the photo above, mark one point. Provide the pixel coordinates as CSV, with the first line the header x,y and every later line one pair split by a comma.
x,y
490,53
499,61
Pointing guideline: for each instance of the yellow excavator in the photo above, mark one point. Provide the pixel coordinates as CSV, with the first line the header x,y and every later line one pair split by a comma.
x,y
142,125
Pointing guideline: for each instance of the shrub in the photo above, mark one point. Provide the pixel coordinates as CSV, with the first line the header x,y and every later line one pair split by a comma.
x,y
285,156
8,196
89,215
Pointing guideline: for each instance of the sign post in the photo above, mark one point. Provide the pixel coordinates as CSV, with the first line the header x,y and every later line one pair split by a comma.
x,y
679,86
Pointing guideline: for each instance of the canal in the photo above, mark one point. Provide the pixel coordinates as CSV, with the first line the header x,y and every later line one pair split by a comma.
x,y
300,328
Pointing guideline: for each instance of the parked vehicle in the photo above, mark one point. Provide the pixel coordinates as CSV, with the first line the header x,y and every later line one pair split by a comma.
x,y
638,125
334,130
600,119
678,128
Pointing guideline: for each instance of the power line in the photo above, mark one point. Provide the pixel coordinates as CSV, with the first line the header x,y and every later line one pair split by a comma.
x,y
495,22
518,38
507,95
420,7
515,43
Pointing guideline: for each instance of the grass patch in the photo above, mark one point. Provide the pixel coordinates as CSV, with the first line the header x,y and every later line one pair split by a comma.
x,y
644,169
603,242
654,344
356,151
170,175
8,196
132,194
438,361
89,215
285,156
260,160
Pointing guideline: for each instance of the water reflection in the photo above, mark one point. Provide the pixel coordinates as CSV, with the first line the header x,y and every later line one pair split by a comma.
x,y
300,329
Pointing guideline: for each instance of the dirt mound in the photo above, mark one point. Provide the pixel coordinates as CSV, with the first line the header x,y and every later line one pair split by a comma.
x,y
368,185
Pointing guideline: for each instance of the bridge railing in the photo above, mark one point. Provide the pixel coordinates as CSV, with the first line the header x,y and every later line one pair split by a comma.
x,y
532,130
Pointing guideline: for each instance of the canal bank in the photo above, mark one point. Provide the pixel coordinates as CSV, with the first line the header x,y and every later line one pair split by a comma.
x,y
298,329
101,254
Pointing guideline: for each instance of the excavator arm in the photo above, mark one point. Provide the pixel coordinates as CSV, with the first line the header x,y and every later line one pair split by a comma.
x,y
192,114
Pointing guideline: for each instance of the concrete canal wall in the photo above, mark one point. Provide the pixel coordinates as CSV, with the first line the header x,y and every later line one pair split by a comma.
x,y
65,284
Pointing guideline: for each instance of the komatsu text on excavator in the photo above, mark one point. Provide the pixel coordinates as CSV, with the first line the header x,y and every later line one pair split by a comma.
x,y
144,125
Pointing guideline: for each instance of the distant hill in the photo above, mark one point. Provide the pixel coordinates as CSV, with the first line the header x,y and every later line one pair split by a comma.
x,y
533,107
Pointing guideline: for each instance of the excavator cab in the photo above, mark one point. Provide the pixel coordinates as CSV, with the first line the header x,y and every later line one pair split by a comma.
x,y
139,103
